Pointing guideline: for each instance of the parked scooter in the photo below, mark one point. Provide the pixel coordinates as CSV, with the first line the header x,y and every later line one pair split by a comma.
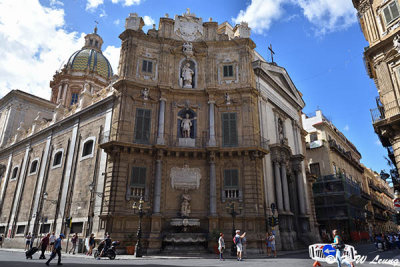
x,y
110,253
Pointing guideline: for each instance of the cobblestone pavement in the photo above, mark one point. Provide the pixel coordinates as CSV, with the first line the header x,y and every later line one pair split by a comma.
x,y
14,258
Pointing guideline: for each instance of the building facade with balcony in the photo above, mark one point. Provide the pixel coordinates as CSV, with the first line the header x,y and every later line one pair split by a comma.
x,y
339,195
196,123
379,20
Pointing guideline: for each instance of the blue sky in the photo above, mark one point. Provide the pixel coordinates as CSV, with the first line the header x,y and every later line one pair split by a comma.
x,y
319,42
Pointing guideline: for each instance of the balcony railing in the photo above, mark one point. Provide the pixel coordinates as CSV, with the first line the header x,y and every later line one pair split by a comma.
x,y
197,142
386,111
345,154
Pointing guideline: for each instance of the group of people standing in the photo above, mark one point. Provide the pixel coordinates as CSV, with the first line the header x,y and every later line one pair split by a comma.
x,y
240,242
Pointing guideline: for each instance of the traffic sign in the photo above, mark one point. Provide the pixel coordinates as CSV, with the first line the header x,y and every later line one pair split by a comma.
x,y
329,250
396,203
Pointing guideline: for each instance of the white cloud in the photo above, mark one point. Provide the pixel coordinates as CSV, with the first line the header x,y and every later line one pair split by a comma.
x,y
56,2
112,54
346,128
148,21
328,15
117,21
325,15
93,4
260,14
33,44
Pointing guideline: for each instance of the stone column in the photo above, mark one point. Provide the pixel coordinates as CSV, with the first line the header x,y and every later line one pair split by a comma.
x,y
59,93
157,186
278,186
300,189
213,186
64,97
160,134
285,188
211,141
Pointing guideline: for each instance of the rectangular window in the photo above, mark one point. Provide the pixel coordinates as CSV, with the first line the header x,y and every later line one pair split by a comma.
x,y
142,126
228,71
20,229
77,227
231,184
315,169
147,66
2,230
391,12
313,137
45,228
229,130
138,182
74,98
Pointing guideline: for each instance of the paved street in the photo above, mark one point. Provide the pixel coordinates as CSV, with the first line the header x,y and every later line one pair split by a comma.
x,y
17,258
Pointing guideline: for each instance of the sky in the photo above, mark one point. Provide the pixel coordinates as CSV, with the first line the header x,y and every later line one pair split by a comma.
x,y
319,42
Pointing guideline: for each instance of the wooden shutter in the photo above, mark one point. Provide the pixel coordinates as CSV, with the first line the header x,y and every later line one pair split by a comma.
x,y
231,179
138,177
144,65
142,127
229,131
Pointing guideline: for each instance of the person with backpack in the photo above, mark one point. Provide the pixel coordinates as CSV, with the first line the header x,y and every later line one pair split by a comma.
x,y
339,245
238,242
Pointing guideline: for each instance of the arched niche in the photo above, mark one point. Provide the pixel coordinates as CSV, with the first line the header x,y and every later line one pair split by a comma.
x,y
187,70
188,117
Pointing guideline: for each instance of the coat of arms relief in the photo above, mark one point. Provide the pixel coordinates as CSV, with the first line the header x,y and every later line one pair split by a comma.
x,y
188,27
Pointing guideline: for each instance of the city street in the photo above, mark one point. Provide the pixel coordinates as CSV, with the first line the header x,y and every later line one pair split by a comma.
x,y
17,258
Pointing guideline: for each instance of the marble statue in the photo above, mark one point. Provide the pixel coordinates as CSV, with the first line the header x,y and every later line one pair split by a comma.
x,y
187,75
396,43
280,131
185,206
227,99
186,124
145,93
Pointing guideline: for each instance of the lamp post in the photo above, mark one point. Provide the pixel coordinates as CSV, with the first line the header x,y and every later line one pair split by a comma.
x,y
230,208
140,209
91,206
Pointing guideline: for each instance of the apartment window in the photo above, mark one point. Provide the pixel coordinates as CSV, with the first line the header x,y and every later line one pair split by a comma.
x,y
20,229
74,98
138,182
87,150
313,137
77,227
229,130
391,12
147,66
57,159
2,230
142,125
315,169
14,173
228,71
45,228
231,184
34,166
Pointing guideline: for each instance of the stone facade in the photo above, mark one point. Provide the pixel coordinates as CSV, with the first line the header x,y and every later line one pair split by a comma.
x,y
380,20
197,124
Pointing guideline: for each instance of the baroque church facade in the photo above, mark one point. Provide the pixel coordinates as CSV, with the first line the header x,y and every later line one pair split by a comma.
x,y
197,124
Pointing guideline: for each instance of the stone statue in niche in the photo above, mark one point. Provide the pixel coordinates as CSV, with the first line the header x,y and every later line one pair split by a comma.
x,y
186,124
280,131
396,43
227,99
185,206
187,76
145,94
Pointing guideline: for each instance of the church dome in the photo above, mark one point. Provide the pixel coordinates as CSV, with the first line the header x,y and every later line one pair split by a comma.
x,y
91,59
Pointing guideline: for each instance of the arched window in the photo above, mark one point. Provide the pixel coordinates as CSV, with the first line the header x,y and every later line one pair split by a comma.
x,y
57,159
88,147
14,173
34,166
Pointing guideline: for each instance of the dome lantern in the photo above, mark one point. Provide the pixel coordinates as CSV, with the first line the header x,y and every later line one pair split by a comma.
x,y
93,41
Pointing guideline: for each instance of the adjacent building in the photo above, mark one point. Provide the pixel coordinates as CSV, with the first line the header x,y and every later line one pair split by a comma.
x,y
379,20
197,124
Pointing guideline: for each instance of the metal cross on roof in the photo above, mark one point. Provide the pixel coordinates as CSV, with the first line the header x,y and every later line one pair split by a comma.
x,y
272,52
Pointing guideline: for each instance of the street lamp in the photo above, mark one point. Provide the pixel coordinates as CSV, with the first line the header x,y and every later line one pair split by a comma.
x,y
140,209
230,208
91,189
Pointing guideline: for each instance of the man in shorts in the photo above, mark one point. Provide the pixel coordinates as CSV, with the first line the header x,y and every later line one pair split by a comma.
x,y
238,242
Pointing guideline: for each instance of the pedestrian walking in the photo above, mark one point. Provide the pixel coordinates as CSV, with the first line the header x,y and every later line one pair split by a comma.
x,y
52,239
238,242
74,241
271,244
43,246
1,240
91,245
28,239
339,245
56,250
221,246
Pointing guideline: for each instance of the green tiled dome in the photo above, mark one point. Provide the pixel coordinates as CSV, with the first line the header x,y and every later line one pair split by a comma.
x,y
91,59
